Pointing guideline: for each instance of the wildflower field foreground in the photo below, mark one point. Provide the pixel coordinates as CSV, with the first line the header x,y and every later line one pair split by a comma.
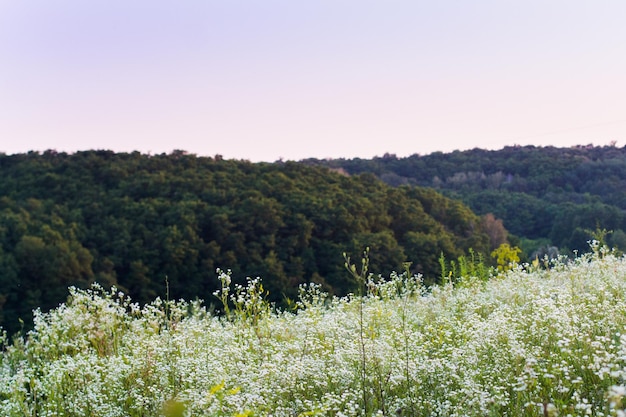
x,y
550,342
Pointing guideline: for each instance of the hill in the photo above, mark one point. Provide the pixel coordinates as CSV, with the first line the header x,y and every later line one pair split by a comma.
x,y
160,225
546,196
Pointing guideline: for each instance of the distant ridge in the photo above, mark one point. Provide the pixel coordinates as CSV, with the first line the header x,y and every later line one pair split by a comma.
x,y
546,196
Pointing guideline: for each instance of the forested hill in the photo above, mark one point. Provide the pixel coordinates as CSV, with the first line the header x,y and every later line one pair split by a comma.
x,y
146,222
545,195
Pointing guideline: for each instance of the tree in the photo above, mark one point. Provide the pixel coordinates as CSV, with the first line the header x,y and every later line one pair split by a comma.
x,y
495,230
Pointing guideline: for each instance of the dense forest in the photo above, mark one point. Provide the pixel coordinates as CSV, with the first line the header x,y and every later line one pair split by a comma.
x,y
160,225
546,196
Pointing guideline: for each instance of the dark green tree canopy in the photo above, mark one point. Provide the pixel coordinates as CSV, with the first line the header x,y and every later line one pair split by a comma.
x,y
142,222
544,195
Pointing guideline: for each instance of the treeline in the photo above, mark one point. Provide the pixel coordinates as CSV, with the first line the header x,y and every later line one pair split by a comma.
x,y
546,196
160,226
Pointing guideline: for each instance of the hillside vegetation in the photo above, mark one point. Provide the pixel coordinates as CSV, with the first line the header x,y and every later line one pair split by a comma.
x,y
153,224
527,343
546,196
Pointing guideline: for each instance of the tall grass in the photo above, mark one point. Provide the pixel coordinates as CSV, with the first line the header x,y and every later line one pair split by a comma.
x,y
540,343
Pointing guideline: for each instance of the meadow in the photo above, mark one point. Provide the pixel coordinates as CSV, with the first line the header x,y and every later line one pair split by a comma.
x,y
534,341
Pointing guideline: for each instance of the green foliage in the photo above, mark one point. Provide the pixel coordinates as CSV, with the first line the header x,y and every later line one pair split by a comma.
x,y
539,193
247,304
465,269
599,235
130,220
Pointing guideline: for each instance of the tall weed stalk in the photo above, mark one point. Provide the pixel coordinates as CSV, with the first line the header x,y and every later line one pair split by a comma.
x,y
361,277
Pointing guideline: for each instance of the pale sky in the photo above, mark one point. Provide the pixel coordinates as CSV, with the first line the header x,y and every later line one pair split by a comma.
x,y
292,79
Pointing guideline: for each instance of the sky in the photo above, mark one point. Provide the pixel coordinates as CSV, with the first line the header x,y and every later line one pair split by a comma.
x,y
295,79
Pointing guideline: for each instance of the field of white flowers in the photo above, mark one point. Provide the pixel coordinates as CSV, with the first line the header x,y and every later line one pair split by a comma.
x,y
549,342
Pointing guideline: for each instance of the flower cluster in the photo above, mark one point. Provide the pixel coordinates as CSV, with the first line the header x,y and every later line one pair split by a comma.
x,y
542,343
